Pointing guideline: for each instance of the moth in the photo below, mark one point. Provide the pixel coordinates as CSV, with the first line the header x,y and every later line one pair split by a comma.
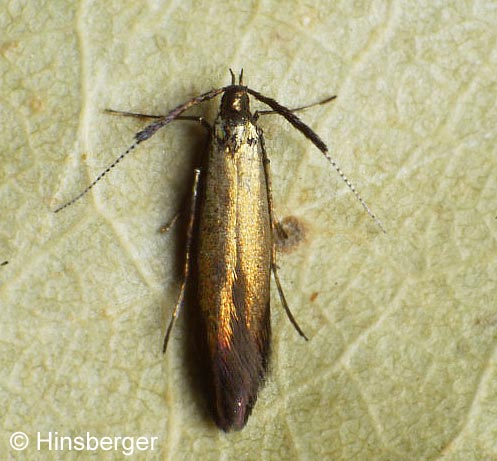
x,y
230,248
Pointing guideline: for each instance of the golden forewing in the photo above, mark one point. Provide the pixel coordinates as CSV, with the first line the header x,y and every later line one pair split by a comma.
x,y
234,284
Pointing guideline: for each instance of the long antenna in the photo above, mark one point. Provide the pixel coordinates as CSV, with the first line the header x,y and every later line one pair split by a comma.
x,y
145,134
318,142
99,177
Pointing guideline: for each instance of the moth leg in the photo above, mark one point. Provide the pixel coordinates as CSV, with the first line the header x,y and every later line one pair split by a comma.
x,y
165,227
186,268
204,123
274,228
194,118
297,109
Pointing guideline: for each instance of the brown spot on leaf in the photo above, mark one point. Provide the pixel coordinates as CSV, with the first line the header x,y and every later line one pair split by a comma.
x,y
290,232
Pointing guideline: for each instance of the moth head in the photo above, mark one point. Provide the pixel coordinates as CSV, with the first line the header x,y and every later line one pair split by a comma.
x,y
235,102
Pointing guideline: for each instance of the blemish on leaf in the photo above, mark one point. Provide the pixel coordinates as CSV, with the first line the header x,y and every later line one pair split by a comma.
x,y
290,232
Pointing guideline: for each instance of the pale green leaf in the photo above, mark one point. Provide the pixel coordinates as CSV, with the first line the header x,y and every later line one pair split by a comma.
x,y
401,359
